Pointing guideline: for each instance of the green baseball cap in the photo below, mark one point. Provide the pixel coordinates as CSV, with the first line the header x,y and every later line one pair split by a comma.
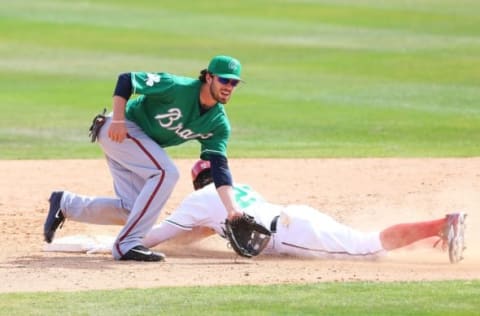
x,y
226,67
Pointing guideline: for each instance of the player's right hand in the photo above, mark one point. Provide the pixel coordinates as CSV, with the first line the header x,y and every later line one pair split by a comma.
x,y
117,131
234,214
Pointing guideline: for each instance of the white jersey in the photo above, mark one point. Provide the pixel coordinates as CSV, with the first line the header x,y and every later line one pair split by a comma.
x,y
204,208
299,229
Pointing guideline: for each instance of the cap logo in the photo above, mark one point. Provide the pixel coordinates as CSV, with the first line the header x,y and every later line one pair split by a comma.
x,y
233,65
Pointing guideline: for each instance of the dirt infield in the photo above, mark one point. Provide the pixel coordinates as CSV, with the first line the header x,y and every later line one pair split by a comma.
x,y
368,194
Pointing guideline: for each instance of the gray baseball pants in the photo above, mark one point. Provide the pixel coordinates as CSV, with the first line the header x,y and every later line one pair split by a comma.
x,y
143,177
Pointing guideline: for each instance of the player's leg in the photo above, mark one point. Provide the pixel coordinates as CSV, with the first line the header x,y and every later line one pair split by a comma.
x,y
404,234
94,210
161,233
141,158
449,229
306,232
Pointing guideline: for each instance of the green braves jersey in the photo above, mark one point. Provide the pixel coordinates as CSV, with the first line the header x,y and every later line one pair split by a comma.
x,y
168,110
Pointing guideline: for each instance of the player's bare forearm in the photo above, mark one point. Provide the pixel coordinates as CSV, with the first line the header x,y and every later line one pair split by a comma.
x,y
228,199
195,235
117,130
119,104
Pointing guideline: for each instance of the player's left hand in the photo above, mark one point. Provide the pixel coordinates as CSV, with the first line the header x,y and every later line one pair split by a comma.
x,y
117,131
247,237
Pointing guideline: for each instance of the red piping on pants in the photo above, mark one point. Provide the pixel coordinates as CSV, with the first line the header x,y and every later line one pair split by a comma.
x,y
136,141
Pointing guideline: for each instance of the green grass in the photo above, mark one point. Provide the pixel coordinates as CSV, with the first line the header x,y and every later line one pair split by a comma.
x,y
324,78
400,298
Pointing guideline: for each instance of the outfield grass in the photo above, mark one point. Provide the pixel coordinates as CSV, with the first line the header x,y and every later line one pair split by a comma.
x,y
324,78
401,298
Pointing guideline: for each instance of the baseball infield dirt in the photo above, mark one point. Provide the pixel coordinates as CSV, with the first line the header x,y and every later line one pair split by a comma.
x,y
368,194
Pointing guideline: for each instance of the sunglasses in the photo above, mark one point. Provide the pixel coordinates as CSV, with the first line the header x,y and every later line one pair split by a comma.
x,y
232,82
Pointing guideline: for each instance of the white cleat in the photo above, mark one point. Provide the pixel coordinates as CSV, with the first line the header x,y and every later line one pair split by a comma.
x,y
453,236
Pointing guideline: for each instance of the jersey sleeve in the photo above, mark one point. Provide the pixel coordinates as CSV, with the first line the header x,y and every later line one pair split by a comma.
x,y
199,208
149,83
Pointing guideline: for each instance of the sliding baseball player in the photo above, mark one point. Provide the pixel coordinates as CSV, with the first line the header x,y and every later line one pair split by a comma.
x,y
300,230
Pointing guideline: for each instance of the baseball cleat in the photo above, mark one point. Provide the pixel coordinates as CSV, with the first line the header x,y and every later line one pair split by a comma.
x,y
453,236
141,253
55,217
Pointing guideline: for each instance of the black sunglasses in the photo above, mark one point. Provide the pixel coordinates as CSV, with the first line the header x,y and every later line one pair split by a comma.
x,y
232,82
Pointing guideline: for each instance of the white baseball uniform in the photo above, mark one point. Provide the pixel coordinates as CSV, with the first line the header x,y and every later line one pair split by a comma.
x,y
298,230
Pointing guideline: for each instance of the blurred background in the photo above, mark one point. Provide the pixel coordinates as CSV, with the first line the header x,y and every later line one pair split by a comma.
x,y
344,78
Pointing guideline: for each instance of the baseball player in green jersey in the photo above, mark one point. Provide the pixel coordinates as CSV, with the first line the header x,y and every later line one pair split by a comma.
x,y
169,110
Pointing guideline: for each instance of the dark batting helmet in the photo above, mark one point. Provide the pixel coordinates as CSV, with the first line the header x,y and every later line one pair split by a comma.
x,y
201,175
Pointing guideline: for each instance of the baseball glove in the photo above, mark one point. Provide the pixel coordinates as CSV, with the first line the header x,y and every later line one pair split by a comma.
x,y
247,237
97,124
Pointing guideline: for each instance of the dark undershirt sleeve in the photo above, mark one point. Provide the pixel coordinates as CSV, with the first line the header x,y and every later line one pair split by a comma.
x,y
220,172
124,86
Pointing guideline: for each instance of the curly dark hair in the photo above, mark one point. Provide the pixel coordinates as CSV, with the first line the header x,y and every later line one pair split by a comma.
x,y
203,75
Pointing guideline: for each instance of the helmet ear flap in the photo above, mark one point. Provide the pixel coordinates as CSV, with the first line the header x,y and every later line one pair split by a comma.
x,y
204,178
201,175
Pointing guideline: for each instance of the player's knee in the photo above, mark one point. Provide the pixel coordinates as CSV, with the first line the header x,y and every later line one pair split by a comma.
x,y
172,174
